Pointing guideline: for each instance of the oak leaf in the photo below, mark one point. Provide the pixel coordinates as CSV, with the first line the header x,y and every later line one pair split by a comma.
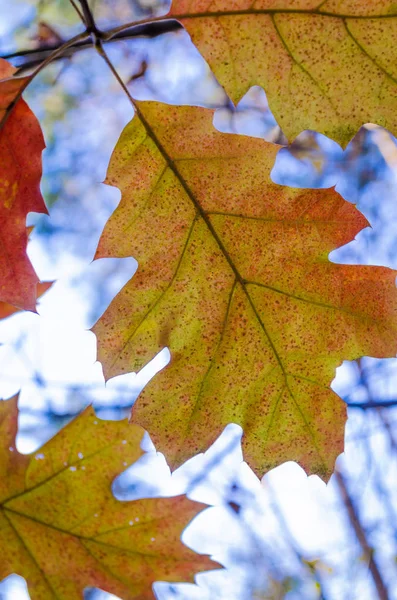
x,y
62,529
234,277
329,66
21,145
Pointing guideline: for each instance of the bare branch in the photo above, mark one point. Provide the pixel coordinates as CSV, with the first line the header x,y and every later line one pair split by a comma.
x,y
76,8
361,537
372,404
25,81
88,17
102,53
147,30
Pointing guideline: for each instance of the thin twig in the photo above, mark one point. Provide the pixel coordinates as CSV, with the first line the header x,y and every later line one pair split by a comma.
x,y
361,537
102,53
76,8
372,404
121,28
140,30
389,430
148,28
56,53
41,52
88,18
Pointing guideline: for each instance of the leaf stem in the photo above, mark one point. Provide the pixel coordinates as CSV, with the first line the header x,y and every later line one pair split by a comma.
x,y
100,49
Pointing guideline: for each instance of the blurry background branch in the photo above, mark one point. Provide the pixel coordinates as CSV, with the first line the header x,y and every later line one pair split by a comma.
x,y
361,536
29,58
372,404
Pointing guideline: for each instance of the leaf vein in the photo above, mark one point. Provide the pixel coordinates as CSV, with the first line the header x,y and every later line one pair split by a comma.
x,y
162,294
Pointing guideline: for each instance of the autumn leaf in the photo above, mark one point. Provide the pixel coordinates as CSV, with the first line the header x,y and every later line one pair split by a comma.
x,y
21,145
234,277
328,66
61,527
6,310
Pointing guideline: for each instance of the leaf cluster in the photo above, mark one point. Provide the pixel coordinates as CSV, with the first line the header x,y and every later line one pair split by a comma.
x,y
233,278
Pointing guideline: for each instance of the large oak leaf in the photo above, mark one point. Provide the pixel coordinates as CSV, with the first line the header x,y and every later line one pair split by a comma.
x,y
330,66
21,145
234,278
63,530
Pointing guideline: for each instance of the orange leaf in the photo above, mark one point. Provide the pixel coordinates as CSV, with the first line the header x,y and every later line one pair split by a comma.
x,y
21,145
61,527
234,277
323,65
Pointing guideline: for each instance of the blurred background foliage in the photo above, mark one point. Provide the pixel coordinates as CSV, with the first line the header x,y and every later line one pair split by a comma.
x,y
287,536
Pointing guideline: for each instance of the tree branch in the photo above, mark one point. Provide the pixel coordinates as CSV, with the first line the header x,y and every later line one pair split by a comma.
x,y
361,537
147,30
88,18
372,404
76,8
25,81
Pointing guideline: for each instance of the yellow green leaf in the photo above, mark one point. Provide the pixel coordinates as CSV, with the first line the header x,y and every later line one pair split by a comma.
x,y
330,66
63,530
234,278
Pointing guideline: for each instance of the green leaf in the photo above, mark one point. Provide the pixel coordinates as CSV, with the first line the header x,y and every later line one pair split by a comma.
x,y
234,278
329,66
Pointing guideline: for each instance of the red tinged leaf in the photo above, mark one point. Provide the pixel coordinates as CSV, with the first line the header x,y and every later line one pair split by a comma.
x,y
21,145
6,310
234,278
61,527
